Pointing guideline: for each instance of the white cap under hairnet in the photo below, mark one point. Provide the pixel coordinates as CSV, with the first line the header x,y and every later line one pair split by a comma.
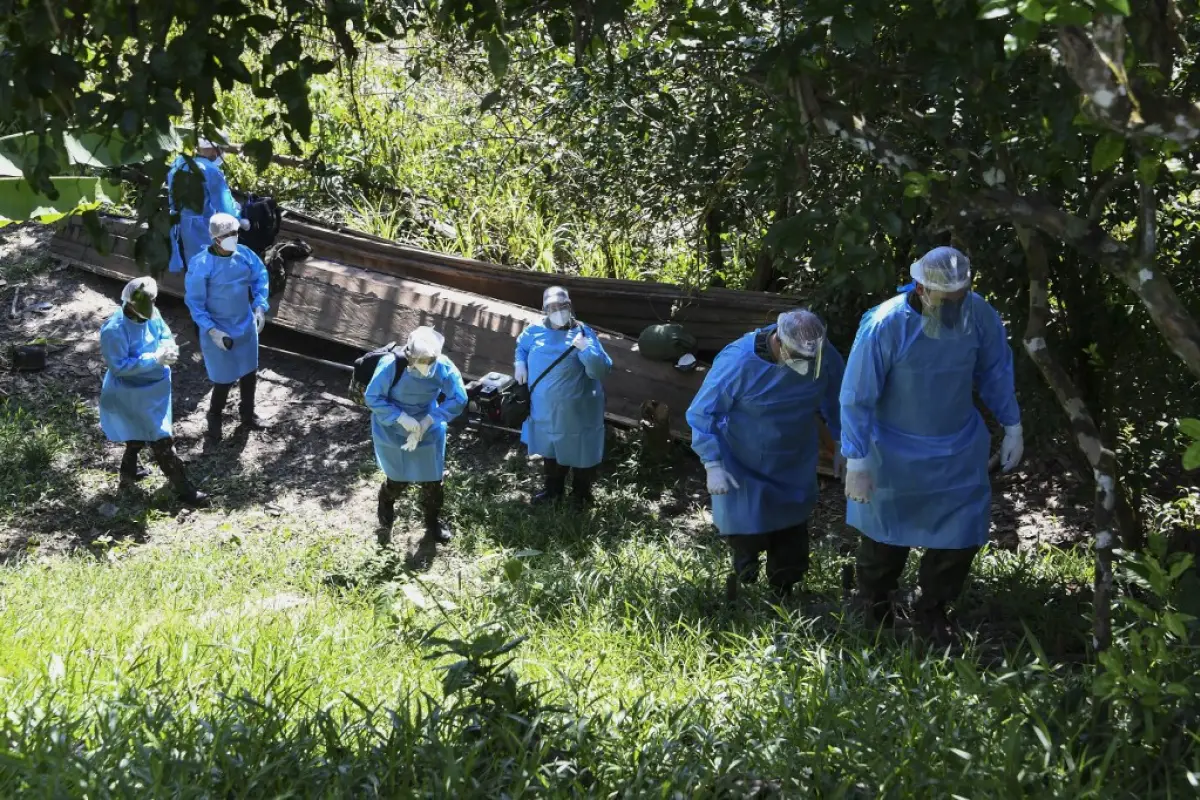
x,y
205,144
222,225
424,342
943,269
555,294
801,331
145,284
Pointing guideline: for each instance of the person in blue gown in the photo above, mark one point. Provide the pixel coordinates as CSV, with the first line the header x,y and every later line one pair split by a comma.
x,y
189,232
566,416
754,426
917,447
135,398
226,290
408,427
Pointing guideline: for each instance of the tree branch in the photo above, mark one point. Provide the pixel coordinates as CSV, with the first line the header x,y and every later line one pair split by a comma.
x,y
1095,60
834,120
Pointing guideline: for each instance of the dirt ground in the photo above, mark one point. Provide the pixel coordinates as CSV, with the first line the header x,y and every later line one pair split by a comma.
x,y
315,461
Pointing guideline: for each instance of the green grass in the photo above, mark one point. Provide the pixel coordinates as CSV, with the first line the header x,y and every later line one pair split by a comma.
x,y
238,655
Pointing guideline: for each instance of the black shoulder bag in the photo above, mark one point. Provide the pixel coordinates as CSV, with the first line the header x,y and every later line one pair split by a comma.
x,y
516,402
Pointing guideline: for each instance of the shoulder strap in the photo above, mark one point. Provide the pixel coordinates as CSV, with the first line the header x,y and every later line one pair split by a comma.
x,y
548,369
401,365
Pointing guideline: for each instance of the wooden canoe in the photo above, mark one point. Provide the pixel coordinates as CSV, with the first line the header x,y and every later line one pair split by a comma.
x,y
367,308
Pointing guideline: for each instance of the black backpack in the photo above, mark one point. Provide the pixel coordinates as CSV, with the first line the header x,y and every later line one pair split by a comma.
x,y
364,370
265,221
281,256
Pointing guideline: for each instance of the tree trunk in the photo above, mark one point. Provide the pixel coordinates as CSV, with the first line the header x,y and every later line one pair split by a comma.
x,y
714,226
1102,459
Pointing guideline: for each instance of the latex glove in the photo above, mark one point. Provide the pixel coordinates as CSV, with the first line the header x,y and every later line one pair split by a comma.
x,y
425,424
521,373
218,335
580,342
720,481
260,319
839,464
244,224
414,439
408,423
1012,448
859,483
163,356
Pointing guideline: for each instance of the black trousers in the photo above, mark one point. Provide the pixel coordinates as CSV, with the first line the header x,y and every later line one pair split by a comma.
x,y
787,555
247,386
164,455
941,575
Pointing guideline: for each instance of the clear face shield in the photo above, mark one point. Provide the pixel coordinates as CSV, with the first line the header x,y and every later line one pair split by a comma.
x,y
806,361
559,314
946,315
422,365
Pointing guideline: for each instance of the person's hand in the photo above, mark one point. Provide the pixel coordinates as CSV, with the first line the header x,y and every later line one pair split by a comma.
x,y
244,224
580,342
414,439
219,336
859,483
425,424
1012,449
409,424
719,480
839,464
260,319
165,355
521,373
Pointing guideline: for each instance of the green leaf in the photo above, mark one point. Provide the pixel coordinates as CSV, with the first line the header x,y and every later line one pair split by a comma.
x,y
259,151
1031,10
1190,428
1020,37
1115,6
916,190
489,100
20,203
1148,166
1108,152
995,9
1066,13
497,56
1191,458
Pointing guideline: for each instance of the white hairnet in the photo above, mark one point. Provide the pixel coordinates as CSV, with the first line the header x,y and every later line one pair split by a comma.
x,y
223,225
205,144
145,284
943,269
424,342
801,331
555,294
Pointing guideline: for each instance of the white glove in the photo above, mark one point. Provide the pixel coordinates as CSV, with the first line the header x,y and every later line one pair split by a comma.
x,y
409,423
859,483
244,224
217,335
839,463
414,439
580,342
1012,448
164,356
260,319
521,373
425,424
720,481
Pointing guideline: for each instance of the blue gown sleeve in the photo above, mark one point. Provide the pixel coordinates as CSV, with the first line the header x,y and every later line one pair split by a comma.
x,y
218,192
260,281
596,362
994,368
712,403
834,366
195,294
161,329
523,345
378,393
115,350
862,384
455,396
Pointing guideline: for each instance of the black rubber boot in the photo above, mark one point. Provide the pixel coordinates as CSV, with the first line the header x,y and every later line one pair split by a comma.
x,y
555,476
433,497
171,465
131,471
216,408
248,387
581,487
385,512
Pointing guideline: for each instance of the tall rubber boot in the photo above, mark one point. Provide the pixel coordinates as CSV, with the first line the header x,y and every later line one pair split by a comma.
x,y
216,408
131,471
433,497
555,476
385,511
581,486
171,465
248,388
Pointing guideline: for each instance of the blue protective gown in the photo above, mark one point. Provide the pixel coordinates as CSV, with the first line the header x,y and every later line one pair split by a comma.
x,y
135,399
908,407
758,418
566,415
416,396
222,292
193,225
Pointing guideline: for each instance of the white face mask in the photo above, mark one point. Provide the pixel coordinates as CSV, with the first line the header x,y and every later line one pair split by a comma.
x,y
560,319
228,244
424,370
798,365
